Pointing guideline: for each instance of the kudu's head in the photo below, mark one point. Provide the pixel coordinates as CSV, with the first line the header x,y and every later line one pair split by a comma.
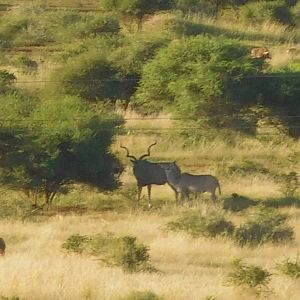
x,y
133,159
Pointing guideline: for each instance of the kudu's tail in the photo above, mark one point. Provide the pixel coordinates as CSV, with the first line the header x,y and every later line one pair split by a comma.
x,y
219,187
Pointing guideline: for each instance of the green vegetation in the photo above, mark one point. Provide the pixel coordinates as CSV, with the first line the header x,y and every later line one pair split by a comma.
x,y
250,276
197,225
79,78
265,225
122,251
290,268
266,11
49,144
145,295
135,10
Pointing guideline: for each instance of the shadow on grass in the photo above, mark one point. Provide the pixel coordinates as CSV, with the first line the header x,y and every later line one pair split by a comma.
x,y
282,202
184,27
236,203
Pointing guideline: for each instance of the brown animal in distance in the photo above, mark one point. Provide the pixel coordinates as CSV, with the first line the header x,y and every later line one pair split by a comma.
x,y
260,52
2,247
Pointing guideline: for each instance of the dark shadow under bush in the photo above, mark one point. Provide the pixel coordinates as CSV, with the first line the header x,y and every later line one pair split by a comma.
x,y
266,225
237,203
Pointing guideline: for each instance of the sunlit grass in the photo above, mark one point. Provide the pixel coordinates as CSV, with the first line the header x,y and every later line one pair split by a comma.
x,y
35,266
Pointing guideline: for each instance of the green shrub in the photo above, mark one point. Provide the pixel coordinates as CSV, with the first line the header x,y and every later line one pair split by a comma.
x,y
197,225
238,203
290,268
217,95
122,251
76,243
93,25
265,226
257,12
144,295
251,276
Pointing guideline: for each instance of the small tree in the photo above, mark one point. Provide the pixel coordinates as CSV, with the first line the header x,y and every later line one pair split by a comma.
x,y
136,10
58,142
93,77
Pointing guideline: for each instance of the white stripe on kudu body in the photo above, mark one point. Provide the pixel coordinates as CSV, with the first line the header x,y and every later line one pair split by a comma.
x,y
186,183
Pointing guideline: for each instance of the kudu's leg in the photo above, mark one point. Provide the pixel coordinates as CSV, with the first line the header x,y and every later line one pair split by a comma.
x,y
149,195
176,193
139,192
213,196
184,195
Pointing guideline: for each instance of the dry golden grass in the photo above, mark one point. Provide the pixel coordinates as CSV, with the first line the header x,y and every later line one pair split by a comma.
x,y
35,266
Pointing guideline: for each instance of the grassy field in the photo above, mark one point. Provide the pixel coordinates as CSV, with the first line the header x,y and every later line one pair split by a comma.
x,y
36,266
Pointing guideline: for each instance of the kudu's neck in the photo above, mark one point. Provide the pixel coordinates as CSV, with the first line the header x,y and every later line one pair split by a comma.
x,y
173,176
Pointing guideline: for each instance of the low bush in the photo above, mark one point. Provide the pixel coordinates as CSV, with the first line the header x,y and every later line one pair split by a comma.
x,y
266,225
122,251
197,225
290,268
250,276
76,243
143,295
93,25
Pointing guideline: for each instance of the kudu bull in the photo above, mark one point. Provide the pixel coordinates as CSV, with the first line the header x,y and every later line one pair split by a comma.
x,y
148,173
186,183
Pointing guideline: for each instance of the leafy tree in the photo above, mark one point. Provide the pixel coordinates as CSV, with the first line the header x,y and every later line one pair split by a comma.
x,y
49,144
201,79
110,76
136,10
92,77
